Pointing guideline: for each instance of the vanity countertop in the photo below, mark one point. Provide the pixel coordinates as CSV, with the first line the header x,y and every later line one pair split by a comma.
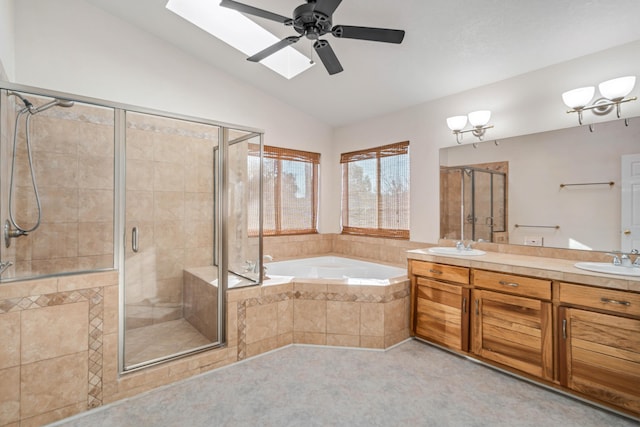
x,y
549,268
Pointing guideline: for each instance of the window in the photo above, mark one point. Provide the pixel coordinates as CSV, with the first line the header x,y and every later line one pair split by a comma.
x,y
290,190
375,191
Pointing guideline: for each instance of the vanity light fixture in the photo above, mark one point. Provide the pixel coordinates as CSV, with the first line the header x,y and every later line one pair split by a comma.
x,y
478,121
613,94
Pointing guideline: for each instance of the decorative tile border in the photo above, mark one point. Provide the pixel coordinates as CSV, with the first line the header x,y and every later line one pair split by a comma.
x,y
95,298
310,296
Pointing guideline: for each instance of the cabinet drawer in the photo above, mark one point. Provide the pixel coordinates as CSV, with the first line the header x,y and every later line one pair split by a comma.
x,y
510,283
440,271
603,299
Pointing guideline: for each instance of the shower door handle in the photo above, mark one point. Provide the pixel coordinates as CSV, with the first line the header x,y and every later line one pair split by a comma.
x,y
134,239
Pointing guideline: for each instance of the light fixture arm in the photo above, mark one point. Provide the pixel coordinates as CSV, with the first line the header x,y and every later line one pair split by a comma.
x,y
603,106
478,132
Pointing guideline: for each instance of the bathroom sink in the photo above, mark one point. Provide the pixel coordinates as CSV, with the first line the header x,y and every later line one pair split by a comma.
x,y
608,268
446,250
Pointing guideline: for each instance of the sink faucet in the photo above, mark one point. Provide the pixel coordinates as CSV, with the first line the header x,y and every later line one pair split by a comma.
x,y
616,259
625,261
462,247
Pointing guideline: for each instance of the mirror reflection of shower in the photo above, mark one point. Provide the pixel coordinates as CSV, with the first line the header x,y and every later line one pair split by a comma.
x,y
11,227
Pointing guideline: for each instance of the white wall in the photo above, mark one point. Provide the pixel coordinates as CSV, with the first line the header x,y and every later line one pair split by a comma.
x,y
71,46
522,105
7,52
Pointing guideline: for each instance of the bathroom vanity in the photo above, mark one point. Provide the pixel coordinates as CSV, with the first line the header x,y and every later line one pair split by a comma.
x,y
540,318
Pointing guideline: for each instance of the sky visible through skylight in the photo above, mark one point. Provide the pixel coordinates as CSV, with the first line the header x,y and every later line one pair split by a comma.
x,y
240,32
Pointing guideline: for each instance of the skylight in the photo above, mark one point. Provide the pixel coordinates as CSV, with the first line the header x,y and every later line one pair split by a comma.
x,y
240,32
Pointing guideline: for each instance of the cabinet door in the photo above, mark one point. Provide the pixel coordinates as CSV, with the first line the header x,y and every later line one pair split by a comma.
x,y
513,331
600,356
442,314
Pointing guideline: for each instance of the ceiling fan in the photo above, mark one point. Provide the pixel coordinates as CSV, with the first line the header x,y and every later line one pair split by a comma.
x,y
313,20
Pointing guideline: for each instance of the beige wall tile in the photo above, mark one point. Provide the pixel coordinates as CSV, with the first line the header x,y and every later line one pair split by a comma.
x,y
62,201
109,358
54,331
56,169
140,175
262,322
259,347
310,338
10,340
285,339
168,206
168,176
95,238
9,395
396,337
395,318
55,241
285,317
53,383
169,235
343,318
95,172
95,205
86,281
55,415
310,316
371,342
28,288
372,319
343,340
139,204
111,309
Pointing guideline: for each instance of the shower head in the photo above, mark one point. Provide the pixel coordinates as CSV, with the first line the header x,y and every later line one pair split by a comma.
x,y
55,103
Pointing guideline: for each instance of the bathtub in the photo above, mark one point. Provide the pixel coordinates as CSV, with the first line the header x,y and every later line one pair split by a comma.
x,y
336,269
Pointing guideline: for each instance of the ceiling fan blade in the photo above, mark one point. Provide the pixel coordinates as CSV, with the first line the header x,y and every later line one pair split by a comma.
x,y
327,56
273,48
327,6
240,7
367,33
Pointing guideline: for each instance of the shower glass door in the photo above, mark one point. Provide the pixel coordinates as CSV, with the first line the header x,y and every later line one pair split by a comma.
x,y
171,297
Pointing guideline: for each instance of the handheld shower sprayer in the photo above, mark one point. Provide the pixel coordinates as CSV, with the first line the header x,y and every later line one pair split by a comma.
x,y
12,229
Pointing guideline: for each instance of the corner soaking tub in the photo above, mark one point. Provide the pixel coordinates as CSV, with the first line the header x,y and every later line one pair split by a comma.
x,y
335,270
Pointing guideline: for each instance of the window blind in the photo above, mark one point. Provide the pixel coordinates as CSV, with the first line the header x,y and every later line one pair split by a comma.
x,y
375,191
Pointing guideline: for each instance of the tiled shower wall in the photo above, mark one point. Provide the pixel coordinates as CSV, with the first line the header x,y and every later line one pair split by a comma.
x,y
73,158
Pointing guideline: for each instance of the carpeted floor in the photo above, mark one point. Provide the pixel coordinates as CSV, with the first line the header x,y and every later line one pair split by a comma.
x,y
413,384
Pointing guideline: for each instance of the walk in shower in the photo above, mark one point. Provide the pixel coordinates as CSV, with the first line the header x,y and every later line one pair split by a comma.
x,y
473,203
171,202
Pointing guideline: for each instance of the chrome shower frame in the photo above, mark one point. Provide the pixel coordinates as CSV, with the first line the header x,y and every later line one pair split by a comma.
x,y
120,208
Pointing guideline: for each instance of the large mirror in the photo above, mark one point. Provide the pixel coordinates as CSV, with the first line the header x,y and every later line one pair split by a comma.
x,y
563,188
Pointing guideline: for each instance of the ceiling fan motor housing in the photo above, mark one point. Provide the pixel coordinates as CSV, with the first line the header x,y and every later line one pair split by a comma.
x,y
309,22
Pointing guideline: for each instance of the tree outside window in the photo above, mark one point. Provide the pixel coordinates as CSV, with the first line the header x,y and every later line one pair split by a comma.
x,y
290,190
375,191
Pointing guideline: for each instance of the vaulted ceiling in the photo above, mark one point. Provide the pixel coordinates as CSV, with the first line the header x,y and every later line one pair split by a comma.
x,y
450,46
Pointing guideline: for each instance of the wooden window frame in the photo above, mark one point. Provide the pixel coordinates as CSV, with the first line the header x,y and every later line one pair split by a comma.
x,y
400,148
280,154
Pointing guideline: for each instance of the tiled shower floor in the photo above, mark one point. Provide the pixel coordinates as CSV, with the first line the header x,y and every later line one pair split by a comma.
x,y
161,339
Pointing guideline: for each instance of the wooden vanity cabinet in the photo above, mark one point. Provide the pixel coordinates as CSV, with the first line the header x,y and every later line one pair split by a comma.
x,y
441,300
508,326
599,344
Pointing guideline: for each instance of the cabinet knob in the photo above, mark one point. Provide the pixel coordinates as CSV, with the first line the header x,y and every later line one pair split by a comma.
x,y
627,232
